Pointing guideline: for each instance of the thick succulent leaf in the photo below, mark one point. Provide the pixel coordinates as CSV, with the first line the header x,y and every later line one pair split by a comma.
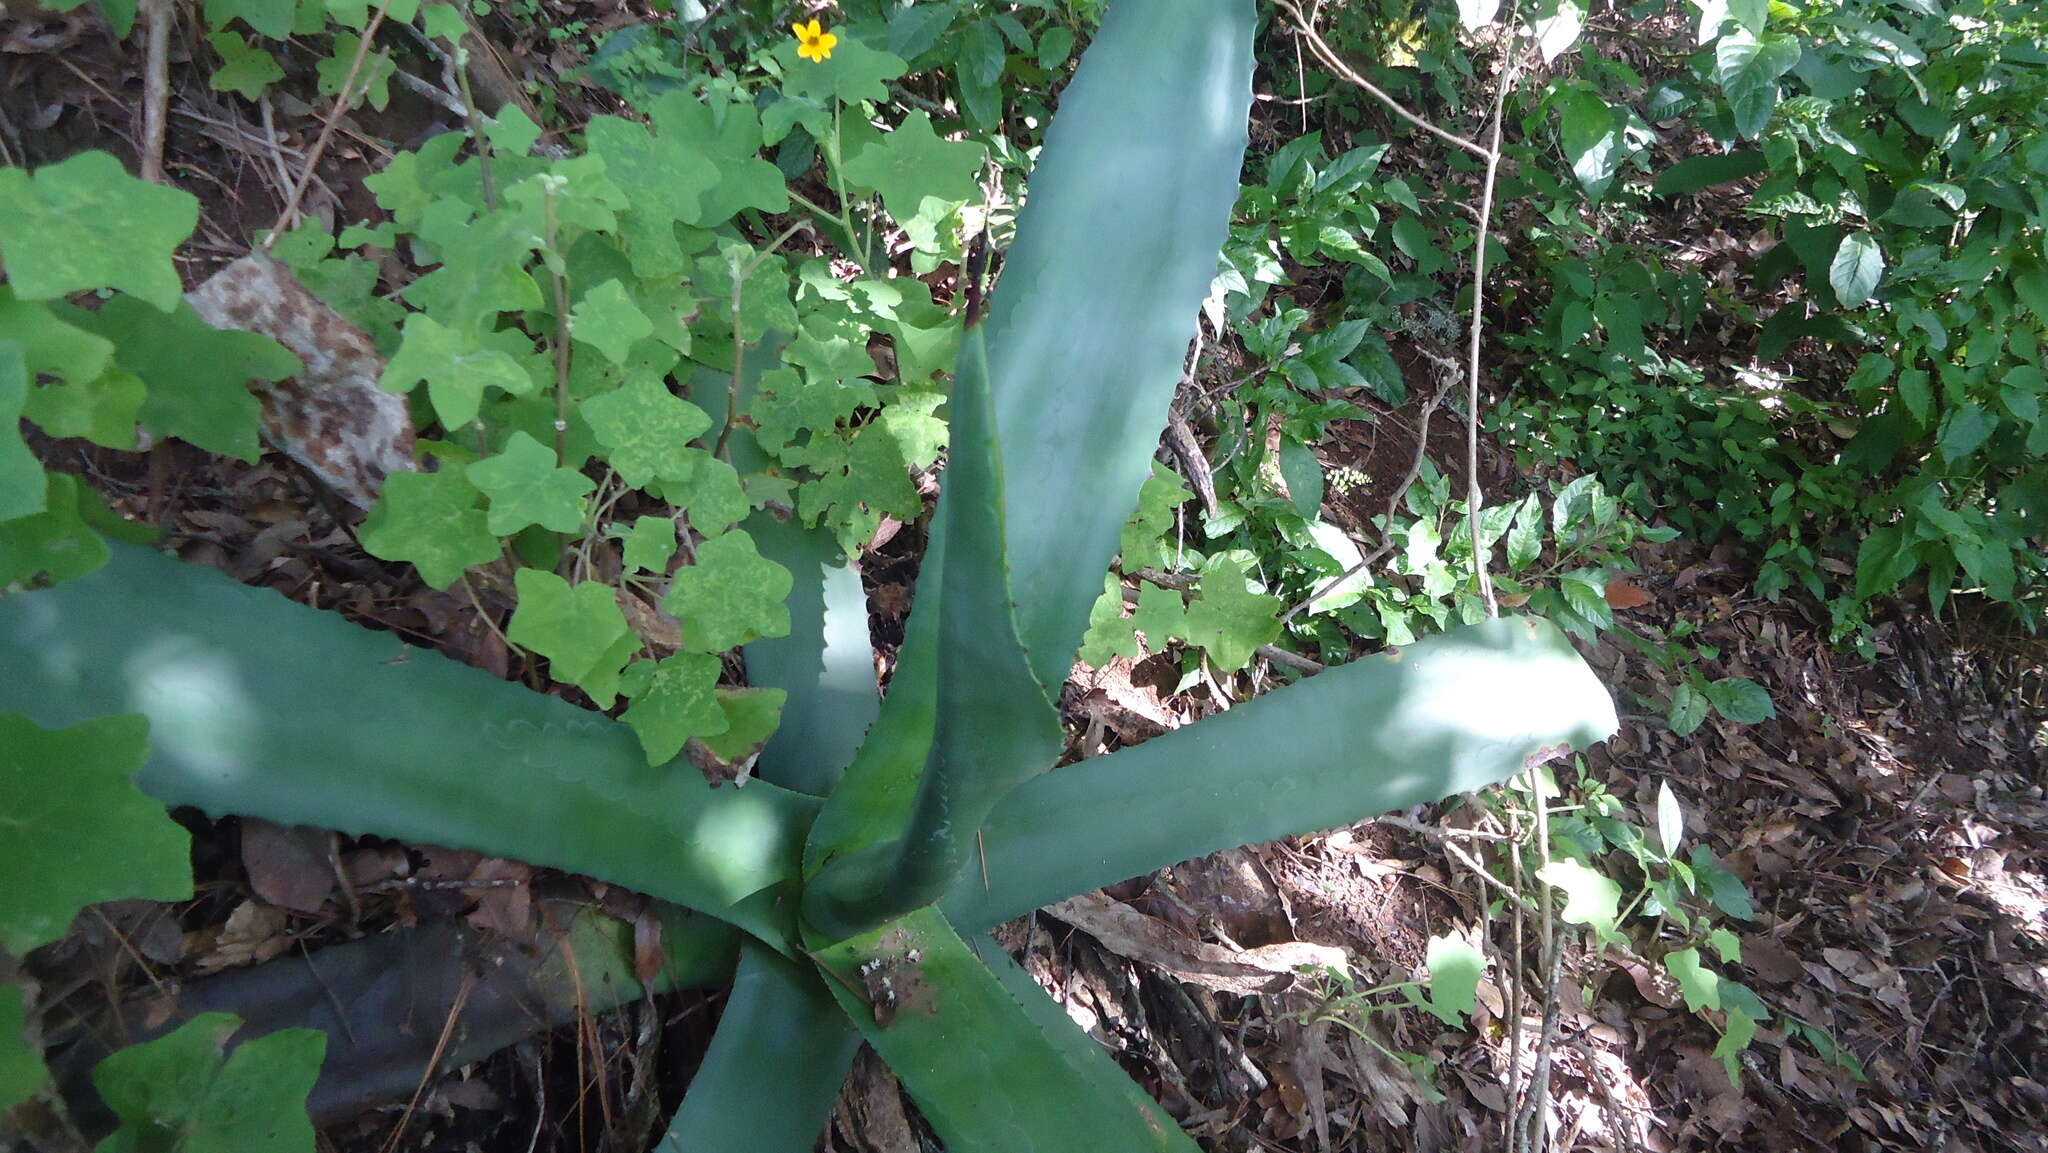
x,y
262,707
1089,325
506,991
826,663
1468,708
773,1072
1029,1082
994,728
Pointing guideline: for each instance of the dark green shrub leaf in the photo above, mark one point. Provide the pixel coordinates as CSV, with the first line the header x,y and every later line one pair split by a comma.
x,y
1741,700
1856,269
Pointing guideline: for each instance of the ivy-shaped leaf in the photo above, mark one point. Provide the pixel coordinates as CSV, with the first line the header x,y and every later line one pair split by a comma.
x,y
907,416
456,368
853,73
271,18
526,488
1701,986
751,715
511,131
54,545
662,178
913,163
1229,620
78,830
179,1092
372,83
432,520
732,596
608,320
673,700
711,493
728,135
573,626
650,545
863,480
645,429
1591,898
197,375
85,223
244,68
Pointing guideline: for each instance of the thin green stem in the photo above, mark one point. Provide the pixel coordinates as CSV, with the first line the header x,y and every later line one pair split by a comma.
x,y
560,287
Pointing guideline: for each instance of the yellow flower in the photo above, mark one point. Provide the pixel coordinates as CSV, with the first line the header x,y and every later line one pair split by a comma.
x,y
812,42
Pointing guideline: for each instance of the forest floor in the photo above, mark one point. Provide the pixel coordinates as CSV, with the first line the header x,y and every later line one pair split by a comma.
x,y
1890,823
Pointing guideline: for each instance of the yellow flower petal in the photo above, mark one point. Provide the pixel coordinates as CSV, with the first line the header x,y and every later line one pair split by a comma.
x,y
825,44
805,31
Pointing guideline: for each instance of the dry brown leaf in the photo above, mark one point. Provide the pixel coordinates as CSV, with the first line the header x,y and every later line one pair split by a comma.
x,y
288,867
1131,934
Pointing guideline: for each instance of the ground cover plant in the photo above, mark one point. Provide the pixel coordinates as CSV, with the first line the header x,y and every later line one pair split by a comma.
x,y
852,891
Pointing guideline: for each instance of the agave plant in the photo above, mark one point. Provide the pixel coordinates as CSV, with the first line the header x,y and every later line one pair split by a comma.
x,y
856,879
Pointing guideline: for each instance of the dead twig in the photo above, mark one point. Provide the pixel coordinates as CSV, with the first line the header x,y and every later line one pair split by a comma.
x,y
156,16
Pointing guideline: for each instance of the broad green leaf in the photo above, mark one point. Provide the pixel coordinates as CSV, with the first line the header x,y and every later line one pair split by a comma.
x,y
185,1090
22,486
1741,1030
1455,965
432,520
1525,538
1591,133
608,320
1702,988
1089,327
662,178
645,428
197,375
1695,173
84,223
751,715
911,163
1670,819
244,69
456,367
1591,898
1378,734
730,596
853,73
573,626
270,18
782,1046
1741,700
1748,69
1556,26
54,545
728,135
1857,267
239,686
78,830
673,700
1030,1083
650,545
512,131
526,488
711,493
1228,620
1964,430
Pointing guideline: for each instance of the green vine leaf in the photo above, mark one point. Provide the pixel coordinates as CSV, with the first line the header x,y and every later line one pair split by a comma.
x,y
526,488
662,178
673,700
85,223
244,69
853,73
574,627
1591,898
511,132
644,428
607,319
372,80
1701,986
1229,620
650,545
271,18
712,492
751,716
913,163
432,520
78,830
54,545
731,596
1455,966
456,368
727,135
179,1092
197,375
